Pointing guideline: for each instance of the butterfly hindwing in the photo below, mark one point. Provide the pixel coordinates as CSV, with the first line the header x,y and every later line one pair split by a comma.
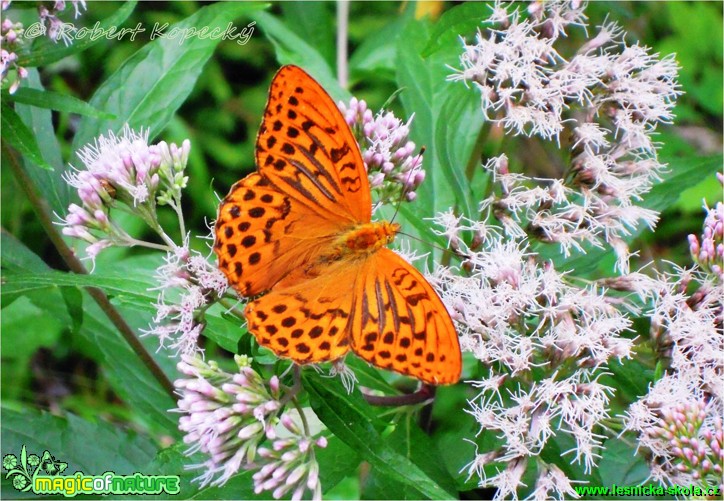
x,y
306,148
306,317
401,324
381,307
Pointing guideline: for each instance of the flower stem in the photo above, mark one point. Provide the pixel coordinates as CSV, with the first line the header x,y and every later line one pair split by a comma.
x,y
292,392
42,210
181,223
149,245
342,25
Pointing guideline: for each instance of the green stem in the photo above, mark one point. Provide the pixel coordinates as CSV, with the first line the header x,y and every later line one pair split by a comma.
x,y
180,215
149,216
474,160
342,27
132,242
291,393
291,396
43,212
296,405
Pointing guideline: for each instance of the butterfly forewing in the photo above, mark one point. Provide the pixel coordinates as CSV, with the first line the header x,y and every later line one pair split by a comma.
x,y
263,234
306,318
306,148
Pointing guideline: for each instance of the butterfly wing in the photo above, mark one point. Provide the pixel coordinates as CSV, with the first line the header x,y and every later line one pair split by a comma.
x,y
381,307
400,323
263,234
306,317
307,150
310,186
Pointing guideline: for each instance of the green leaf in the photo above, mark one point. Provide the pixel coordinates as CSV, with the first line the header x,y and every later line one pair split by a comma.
x,y
708,189
447,121
92,448
49,183
128,376
350,419
631,377
99,340
45,51
73,298
115,284
337,461
19,344
456,138
225,333
681,175
54,101
17,257
292,49
314,23
560,451
416,446
369,376
456,22
422,226
620,464
153,83
17,135
453,430
378,51
131,290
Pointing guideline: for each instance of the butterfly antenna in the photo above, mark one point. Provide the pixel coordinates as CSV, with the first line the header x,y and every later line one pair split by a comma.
x,y
424,394
405,189
442,249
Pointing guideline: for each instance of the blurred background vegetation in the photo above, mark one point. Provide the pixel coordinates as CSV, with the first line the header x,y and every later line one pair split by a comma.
x,y
222,115
54,369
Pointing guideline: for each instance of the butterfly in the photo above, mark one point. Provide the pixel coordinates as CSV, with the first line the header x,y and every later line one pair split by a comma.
x,y
52,466
297,236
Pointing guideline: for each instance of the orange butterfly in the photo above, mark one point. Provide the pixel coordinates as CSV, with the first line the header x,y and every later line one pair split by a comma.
x,y
300,231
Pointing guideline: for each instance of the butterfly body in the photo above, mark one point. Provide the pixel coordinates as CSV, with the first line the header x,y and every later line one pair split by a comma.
x,y
299,231
368,238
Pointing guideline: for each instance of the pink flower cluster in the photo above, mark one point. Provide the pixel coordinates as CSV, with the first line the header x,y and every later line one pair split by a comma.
x,y
683,408
55,28
188,285
518,316
608,96
394,166
228,416
10,42
11,39
124,170
708,251
694,438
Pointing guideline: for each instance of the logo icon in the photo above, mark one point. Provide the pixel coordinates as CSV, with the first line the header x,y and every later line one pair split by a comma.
x,y
22,471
